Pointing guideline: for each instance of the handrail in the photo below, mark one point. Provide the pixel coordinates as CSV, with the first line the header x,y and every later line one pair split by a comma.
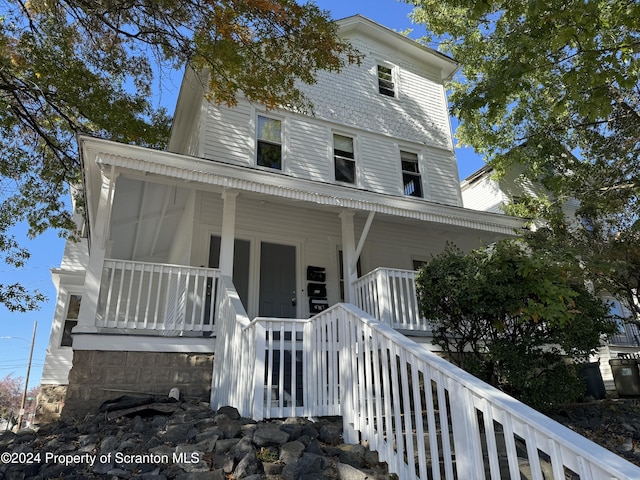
x,y
477,413
424,416
232,381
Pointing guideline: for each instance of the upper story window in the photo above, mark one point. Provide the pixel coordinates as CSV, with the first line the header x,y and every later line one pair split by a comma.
x,y
269,151
411,180
385,81
71,320
344,159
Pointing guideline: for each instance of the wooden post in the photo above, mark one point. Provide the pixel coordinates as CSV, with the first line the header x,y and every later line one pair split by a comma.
x,y
228,232
26,381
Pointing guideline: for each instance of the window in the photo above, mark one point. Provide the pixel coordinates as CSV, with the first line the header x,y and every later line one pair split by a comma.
x,y
344,158
385,81
71,320
411,181
269,142
417,264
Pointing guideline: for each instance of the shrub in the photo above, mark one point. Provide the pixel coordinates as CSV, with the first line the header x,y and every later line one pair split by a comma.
x,y
513,317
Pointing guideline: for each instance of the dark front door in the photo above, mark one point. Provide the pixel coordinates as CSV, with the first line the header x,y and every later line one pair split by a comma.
x,y
277,281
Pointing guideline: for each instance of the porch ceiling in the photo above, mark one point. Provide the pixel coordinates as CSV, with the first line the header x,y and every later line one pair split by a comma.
x,y
145,219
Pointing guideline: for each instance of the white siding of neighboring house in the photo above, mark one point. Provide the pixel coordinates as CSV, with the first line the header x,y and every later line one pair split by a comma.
x,y
487,194
483,194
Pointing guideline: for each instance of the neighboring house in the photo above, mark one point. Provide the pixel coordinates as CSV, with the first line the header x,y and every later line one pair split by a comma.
x,y
482,191
283,202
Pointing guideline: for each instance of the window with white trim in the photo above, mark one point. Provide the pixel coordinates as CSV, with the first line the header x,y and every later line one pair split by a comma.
x,y
411,179
269,148
385,81
344,159
70,320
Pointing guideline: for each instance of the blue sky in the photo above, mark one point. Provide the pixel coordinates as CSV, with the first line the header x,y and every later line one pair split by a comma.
x,y
47,249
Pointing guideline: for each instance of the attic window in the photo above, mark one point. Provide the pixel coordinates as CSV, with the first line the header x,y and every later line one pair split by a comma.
x,y
411,180
269,143
385,81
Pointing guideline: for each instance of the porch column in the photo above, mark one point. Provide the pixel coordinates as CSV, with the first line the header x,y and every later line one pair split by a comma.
x,y
228,232
349,260
98,247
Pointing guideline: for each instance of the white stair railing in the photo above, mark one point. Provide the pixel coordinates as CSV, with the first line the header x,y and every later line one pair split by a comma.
x,y
429,419
235,357
425,417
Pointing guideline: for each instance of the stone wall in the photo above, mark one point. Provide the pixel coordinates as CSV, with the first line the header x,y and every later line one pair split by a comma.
x,y
50,402
97,376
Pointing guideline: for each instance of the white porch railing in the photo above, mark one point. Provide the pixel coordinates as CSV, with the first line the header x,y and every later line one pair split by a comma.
x,y
157,297
425,417
274,368
389,295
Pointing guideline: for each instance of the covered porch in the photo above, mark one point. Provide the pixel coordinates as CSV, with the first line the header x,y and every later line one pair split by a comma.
x,y
165,227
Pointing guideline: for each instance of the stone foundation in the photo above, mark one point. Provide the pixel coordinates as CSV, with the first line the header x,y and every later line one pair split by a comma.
x,y
50,402
97,376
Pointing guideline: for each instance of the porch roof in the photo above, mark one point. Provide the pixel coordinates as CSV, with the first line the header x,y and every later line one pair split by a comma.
x,y
194,172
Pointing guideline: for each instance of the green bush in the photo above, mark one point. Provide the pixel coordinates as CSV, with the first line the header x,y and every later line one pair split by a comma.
x,y
513,317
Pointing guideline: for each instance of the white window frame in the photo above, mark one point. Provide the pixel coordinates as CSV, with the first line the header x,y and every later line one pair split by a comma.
x,y
417,174
258,140
354,142
394,79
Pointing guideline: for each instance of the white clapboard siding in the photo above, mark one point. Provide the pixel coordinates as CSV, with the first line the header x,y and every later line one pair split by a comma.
x,y
308,153
441,176
57,366
229,136
351,98
379,165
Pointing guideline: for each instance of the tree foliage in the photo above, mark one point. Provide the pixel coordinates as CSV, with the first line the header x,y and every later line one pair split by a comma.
x,y
512,317
554,86
85,66
10,395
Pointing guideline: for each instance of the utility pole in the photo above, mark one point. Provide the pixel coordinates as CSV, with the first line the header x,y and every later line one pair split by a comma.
x,y
26,382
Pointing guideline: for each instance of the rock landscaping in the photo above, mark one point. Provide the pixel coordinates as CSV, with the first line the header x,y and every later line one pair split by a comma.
x,y
137,438
613,424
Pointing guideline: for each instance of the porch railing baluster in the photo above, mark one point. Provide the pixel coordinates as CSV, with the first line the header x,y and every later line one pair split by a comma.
x,y
154,297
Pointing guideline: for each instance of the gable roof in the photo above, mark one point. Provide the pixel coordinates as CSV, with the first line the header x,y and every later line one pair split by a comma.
x,y
447,65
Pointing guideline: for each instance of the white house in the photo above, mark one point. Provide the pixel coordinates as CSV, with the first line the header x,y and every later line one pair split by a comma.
x,y
249,265
271,197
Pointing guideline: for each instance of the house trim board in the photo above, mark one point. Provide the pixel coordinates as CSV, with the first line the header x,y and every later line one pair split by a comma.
x,y
148,162
143,343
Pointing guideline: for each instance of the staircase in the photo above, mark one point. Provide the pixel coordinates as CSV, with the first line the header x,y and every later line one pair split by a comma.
x,y
425,417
